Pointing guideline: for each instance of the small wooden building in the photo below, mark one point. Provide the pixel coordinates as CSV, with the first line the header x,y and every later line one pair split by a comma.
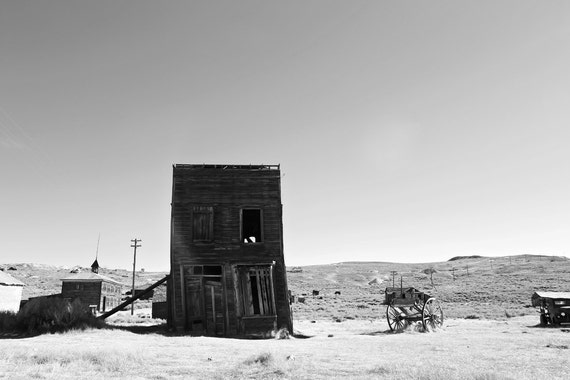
x,y
92,289
227,264
10,293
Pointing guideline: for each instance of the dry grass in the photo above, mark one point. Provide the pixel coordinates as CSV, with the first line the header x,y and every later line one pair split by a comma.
x,y
486,288
357,350
488,332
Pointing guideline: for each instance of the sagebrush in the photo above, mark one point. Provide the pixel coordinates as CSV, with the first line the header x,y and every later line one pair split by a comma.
x,y
49,315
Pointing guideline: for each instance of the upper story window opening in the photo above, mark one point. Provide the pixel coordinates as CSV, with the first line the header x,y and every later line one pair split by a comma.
x,y
251,225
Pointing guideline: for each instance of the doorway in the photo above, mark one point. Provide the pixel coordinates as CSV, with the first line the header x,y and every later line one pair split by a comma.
x,y
205,306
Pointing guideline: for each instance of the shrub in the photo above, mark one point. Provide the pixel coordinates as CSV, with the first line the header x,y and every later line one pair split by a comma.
x,y
282,333
7,321
54,314
263,359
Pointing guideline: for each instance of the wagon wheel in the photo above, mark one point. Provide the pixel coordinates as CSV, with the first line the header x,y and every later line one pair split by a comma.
x,y
432,315
396,320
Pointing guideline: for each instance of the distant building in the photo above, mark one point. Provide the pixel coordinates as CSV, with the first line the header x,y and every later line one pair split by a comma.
x,y
92,289
141,289
10,293
228,272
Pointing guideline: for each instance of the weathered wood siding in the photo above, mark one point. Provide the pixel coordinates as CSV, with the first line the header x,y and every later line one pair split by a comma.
x,y
105,295
160,310
227,191
89,293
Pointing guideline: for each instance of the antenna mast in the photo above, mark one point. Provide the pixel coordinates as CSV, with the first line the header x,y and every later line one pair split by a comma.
x,y
97,251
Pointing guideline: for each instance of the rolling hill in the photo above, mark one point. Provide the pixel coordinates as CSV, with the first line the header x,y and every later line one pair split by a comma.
x,y
469,287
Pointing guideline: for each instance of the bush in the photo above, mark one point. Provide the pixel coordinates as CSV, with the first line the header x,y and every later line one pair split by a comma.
x,y
263,359
7,321
54,314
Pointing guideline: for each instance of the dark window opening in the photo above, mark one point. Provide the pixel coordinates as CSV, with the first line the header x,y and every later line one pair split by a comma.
x,y
256,290
209,271
251,226
254,294
212,270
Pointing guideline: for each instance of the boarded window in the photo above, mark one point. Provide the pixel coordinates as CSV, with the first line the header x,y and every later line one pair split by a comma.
x,y
251,223
202,223
256,290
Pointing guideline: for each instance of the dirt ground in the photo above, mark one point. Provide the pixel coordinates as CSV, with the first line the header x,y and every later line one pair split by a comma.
x,y
358,349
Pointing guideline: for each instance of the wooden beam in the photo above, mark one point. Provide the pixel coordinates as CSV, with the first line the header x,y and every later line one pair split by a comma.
x,y
133,298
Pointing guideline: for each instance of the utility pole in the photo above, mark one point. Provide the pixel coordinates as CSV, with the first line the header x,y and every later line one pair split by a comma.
x,y
453,270
135,245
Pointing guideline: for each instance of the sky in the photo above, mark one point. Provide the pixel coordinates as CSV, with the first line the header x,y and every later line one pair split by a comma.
x,y
406,131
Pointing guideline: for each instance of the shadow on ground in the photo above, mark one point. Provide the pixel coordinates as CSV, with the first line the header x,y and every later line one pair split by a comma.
x,y
378,333
164,330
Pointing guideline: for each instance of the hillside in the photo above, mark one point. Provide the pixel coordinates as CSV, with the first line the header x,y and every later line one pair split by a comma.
x,y
41,279
483,287
470,287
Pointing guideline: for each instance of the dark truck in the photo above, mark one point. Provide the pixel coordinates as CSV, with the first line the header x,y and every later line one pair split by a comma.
x,y
554,307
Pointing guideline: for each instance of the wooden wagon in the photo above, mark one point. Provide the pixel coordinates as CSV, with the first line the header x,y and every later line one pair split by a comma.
x,y
408,305
554,307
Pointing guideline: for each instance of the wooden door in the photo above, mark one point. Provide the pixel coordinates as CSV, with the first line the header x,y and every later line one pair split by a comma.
x,y
195,318
214,308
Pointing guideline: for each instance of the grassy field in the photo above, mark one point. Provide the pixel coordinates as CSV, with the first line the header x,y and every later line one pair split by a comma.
x,y
489,332
480,287
464,349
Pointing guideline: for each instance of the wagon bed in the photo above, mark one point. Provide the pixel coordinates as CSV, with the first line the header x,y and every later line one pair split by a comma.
x,y
554,307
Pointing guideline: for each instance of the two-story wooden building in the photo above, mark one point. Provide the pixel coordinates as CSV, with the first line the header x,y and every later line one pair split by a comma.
x,y
227,264
93,289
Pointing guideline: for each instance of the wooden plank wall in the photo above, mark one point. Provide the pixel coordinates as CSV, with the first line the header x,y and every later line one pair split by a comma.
x,y
228,192
89,292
